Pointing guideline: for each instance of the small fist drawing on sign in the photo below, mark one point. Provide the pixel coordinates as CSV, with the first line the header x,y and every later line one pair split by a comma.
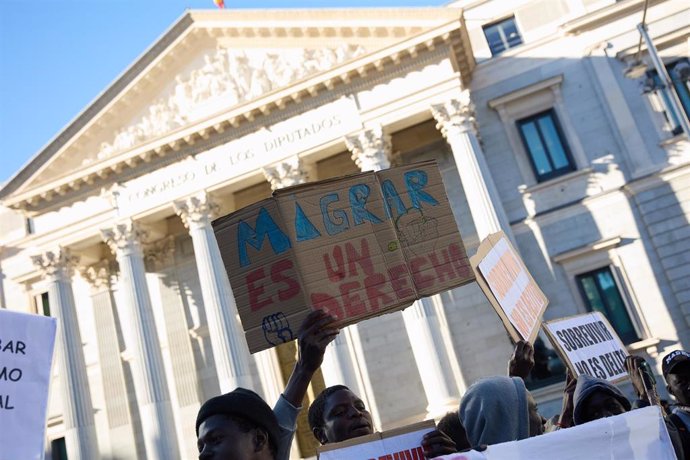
x,y
277,329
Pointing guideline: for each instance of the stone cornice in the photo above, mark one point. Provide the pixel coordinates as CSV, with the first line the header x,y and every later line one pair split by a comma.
x,y
605,15
33,200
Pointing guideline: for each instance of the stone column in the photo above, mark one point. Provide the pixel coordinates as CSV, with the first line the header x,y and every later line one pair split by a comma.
x,y
150,382
425,320
284,174
117,404
455,118
230,352
80,430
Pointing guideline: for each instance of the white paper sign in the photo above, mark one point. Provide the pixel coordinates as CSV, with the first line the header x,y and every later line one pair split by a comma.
x,y
26,356
407,446
589,345
517,294
637,435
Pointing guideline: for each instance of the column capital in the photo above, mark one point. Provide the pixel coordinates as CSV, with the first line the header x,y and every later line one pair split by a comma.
x,y
99,275
124,235
456,115
196,210
58,263
160,254
289,172
371,149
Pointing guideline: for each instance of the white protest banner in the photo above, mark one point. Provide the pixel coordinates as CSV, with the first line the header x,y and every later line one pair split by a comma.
x,y
589,345
402,443
26,356
637,435
509,287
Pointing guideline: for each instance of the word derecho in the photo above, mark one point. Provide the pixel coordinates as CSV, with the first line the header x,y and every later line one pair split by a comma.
x,y
356,247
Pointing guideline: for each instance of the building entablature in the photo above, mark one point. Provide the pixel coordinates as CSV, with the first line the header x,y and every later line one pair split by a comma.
x,y
80,167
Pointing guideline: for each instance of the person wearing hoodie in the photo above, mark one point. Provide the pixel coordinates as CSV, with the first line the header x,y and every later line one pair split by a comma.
x,y
499,409
337,414
596,398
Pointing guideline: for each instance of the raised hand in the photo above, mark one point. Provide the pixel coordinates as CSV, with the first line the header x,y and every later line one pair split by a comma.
x,y
437,443
522,361
315,333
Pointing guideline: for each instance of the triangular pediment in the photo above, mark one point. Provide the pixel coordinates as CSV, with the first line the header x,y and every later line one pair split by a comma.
x,y
210,62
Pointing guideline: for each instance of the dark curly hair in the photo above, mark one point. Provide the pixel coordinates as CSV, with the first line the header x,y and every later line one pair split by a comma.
x,y
317,407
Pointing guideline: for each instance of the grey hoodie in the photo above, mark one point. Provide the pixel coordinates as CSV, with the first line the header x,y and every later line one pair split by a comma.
x,y
587,385
494,410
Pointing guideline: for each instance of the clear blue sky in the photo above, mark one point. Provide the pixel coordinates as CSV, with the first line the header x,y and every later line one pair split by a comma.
x,y
56,56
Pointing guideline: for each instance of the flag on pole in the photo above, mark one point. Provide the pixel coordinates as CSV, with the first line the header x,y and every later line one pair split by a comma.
x,y
219,3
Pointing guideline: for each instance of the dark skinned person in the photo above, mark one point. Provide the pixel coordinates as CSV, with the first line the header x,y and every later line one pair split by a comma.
x,y
338,414
675,367
596,398
240,425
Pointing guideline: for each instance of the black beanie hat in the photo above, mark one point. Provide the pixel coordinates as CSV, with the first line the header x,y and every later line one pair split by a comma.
x,y
245,404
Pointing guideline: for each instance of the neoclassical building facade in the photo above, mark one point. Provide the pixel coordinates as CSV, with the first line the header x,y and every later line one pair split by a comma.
x,y
538,125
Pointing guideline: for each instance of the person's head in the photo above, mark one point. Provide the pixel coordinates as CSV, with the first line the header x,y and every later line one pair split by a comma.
x,y
337,414
450,424
499,409
676,369
596,398
237,426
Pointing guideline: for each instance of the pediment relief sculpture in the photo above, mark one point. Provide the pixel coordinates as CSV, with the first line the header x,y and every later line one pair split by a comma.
x,y
226,78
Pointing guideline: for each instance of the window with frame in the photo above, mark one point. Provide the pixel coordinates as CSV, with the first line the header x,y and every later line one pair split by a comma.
x,y
679,71
58,449
601,293
502,35
41,304
546,146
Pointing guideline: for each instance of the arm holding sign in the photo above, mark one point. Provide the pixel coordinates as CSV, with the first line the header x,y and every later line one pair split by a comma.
x,y
522,361
315,333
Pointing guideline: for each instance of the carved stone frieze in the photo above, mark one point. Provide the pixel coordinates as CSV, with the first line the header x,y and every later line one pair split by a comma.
x,y
197,209
227,77
56,263
455,115
159,254
371,149
286,173
124,236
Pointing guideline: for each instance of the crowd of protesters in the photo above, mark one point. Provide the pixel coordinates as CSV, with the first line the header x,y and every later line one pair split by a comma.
x,y
240,425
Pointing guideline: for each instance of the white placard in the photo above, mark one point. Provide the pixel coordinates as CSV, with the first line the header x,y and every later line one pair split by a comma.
x,y
248,153
515,291
400,446
26,357
637,435
589,345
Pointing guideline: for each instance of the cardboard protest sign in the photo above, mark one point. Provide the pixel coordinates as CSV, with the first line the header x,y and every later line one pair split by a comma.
x,y
356,246
509,287
402,443
636,435
589,345
26,356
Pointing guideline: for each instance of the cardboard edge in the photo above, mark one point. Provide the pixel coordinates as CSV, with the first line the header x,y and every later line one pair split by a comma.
x,y
377,436
419,426
484,247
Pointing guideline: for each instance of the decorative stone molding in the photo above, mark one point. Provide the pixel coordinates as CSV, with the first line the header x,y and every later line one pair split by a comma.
x,y
99,275
198,209
456,114
56,263
231,76
287,173
371,149
160,254
124,235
